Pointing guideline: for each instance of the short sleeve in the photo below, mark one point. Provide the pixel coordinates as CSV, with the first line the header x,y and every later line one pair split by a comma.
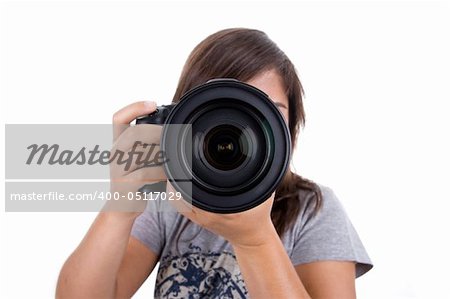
x,y
147,228
328,235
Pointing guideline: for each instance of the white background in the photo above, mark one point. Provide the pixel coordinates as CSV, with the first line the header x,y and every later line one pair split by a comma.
x,y
376,76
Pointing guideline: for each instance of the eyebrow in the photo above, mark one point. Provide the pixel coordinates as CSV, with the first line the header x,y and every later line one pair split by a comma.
x,y
279,104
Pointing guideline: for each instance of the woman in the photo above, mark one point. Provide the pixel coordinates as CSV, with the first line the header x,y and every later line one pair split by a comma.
x,y
297,244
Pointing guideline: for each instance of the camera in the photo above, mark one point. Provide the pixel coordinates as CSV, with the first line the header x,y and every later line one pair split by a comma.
x,y
232,149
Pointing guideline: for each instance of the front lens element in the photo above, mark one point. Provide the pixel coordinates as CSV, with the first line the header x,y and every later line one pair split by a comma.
x,y
225,147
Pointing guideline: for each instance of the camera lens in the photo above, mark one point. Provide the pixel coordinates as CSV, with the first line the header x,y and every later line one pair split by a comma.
x,y
231,148
225,147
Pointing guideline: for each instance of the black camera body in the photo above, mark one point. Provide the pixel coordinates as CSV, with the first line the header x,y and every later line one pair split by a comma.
x,y
226,144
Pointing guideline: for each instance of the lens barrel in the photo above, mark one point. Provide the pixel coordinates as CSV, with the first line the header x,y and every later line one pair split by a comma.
x,y
232,149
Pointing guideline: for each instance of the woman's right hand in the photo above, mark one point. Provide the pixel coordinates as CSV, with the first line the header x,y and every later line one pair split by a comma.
x,y
139,144
109,263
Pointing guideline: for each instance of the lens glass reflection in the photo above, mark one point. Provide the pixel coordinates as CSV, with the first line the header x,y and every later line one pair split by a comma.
x,y
225,147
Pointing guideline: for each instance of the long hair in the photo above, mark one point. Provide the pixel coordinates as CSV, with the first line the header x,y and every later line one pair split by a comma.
x,y
243,54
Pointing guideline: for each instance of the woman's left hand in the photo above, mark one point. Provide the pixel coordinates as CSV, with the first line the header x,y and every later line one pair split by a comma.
x,y
248,228
265,266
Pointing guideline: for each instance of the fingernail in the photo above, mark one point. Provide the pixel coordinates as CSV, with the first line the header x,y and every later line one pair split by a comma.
x,y
150,104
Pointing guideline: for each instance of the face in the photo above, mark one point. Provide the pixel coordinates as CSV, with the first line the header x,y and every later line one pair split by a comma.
x,y
271,83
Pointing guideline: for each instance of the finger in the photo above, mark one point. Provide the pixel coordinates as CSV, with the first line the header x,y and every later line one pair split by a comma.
x,y
141,157
145,175
135,180
136,147
138,136
148,175
123,117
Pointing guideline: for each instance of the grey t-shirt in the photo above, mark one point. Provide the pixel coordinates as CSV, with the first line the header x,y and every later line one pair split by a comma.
x,y
196,263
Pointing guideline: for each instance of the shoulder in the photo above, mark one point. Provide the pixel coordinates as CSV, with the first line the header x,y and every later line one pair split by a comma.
x,y
330,201
322,211
327,233
319,204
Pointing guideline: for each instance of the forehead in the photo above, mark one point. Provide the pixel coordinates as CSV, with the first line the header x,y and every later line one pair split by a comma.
x,y
272,84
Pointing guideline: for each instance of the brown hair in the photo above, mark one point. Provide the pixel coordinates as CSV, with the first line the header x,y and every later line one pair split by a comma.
x,y
242,54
